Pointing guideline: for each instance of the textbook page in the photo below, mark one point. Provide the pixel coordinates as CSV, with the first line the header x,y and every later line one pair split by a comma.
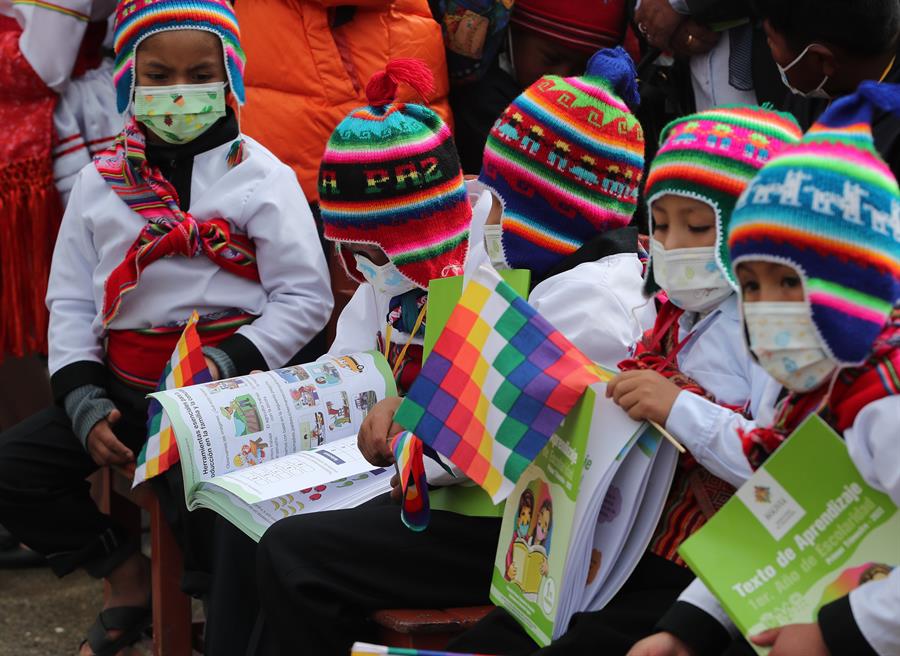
x,y
240,423
803,531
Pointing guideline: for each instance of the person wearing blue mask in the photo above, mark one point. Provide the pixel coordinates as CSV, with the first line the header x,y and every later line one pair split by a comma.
x,y
824,49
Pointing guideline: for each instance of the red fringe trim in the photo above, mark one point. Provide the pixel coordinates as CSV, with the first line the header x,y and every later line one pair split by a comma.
x,y
30,214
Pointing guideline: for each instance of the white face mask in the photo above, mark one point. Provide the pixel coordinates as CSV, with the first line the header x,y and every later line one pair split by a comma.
x,y
784,340
386,279
493,244
690,276
818,92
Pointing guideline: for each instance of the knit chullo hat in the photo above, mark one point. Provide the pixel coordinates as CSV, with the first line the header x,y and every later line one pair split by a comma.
x,y
830,208
138,19
390,177
566,159
711,156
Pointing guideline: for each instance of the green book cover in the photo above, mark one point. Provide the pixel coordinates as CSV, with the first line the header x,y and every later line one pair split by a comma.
x,y
537,526
803,531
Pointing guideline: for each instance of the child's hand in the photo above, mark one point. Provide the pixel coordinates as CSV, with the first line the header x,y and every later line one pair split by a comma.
x,y
645,395
793,640
213,369
511,572
396,490
377,430
103,445
661,644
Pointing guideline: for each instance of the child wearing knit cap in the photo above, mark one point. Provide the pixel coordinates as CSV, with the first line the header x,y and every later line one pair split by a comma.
x,y
815,249
183,213
690,372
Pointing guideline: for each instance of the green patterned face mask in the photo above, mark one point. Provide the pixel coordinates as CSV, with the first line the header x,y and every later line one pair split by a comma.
x,y
179,113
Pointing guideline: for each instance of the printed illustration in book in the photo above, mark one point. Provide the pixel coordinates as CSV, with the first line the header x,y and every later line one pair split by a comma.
x,y
266,446
803,531
580,516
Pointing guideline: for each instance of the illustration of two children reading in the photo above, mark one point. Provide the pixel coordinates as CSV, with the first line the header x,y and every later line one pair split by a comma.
x,y
529,548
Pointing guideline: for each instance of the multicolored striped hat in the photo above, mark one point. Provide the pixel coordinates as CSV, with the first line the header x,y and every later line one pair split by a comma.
x,y
711,156
566,159
830,208
390,177
138,19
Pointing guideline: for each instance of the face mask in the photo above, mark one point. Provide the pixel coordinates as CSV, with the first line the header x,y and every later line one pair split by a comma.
x,y
818,92
386,279
493,244
690,276
179,113
784,340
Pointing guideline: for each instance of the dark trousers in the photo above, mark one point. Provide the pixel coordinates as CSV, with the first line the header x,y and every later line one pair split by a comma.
x,y
630,616
321,575
45,500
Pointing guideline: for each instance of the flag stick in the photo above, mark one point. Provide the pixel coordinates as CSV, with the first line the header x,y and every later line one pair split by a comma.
x,y
666,434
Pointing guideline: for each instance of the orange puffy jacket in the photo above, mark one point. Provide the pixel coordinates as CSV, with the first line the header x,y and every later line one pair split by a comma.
x,y
303,76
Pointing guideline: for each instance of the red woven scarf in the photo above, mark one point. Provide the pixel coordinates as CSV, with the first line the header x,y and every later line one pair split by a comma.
x,y
168,230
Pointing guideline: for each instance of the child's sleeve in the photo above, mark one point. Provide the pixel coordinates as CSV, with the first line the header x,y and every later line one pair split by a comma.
x,y
76,350
292,272
358,323
699,621
710,431
867,620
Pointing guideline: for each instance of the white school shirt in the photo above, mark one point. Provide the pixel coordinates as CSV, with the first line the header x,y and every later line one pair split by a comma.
x,y
260,197
716,356
872,444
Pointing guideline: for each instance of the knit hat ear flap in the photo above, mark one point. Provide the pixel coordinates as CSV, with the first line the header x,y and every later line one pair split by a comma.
x,y
829,207
390,177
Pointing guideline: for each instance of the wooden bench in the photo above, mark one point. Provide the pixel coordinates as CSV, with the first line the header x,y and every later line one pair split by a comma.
x,y
172,628
425,629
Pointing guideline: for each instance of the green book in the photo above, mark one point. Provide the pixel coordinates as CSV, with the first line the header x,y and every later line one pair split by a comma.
x,y
804,530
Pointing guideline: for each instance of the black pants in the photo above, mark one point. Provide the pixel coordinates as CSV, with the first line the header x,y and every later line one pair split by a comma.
x,y
321,575
45,500
630,616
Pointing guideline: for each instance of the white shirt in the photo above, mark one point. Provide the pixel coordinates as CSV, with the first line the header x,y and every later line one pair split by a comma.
x,y
260,197
717,358
872,444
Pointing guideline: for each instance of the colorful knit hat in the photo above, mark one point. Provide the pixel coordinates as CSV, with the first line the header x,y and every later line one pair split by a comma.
x,y
830,208
390,176
138,19
711,156
586,26
566,158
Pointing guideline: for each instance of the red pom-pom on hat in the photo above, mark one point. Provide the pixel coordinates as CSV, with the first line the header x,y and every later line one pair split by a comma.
x,y
382,87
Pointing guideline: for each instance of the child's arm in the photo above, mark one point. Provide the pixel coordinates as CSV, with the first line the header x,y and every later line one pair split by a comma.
x,y
358,323
292,272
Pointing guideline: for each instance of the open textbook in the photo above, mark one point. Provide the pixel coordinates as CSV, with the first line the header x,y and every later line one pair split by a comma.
x,y
581,516
262,447
803,531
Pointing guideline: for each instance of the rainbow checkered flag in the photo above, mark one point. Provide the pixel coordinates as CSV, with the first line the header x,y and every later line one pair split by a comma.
x,y
186,367
497,385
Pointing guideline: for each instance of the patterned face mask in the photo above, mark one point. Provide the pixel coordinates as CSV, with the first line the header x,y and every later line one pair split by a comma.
x,y
784,340
179,113
690,276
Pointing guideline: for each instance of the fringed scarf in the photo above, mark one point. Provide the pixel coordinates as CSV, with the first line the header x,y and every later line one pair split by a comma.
x,y
168,230
839,404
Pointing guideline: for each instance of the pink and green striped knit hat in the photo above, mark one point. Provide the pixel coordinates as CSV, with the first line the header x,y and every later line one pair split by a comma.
x,y
711,156
830,208
390,177
138,19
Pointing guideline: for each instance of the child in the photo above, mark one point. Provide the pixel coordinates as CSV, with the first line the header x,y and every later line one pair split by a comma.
x,y
689,373
828,277
578,233
183,213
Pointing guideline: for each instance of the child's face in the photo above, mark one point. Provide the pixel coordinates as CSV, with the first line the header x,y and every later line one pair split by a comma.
x,y
680,222
524,516
374,254
769,282
180,57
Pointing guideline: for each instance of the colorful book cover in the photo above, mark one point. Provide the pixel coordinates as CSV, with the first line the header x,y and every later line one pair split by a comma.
x,y
803,531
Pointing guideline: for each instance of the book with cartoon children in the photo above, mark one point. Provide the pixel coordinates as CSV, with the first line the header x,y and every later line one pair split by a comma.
x,y
262,447
803,531
580,516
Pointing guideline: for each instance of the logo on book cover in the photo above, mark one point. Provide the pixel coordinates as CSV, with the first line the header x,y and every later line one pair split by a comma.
x,y
771,504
